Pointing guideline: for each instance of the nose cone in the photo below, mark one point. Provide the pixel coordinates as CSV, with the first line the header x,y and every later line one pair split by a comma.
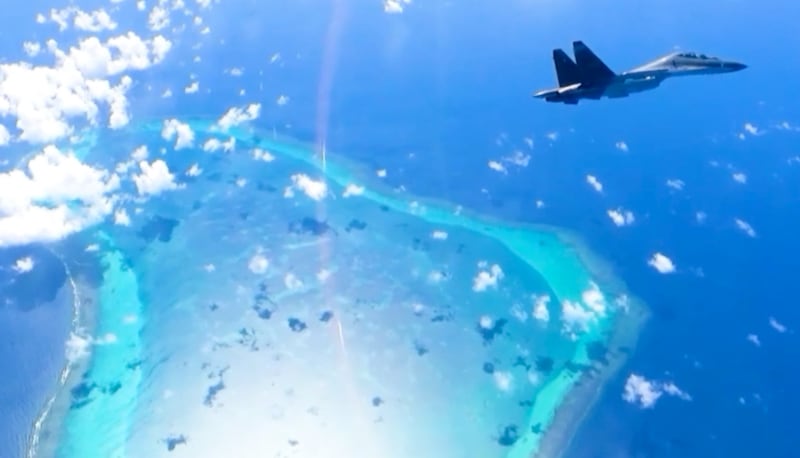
x,y
734,66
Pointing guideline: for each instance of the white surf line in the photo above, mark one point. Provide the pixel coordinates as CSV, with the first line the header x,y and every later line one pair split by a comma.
x,y
33,443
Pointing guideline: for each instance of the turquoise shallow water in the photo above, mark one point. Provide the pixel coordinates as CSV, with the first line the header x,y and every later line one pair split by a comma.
x,y
362,334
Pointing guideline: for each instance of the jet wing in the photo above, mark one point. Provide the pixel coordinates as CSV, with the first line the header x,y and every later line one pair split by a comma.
x,y
593,70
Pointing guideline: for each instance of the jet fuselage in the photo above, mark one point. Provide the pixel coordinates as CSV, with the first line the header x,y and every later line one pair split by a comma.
x,y
589,78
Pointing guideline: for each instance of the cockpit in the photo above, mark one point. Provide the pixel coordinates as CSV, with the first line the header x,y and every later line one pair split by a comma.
x,y
692,55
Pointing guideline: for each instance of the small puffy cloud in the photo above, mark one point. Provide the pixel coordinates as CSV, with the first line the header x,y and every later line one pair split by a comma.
x,y
352,190
140,153
540,310
676,184
594,183
754,339
193,87
158,18
621,217
622,146
381,173
96,21
752,129
258,264
58,196
487,278
496,166
154,178
214,144
282,100
235,116
316,190
700,217
518,158
439,235
290,281
31,48
739,177
645,393
661,263
394,6
745,227
194,170
176,129
24,265
776,325
121,217
262,155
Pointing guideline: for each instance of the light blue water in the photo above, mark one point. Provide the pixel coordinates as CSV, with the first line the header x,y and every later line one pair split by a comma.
x,y
144,379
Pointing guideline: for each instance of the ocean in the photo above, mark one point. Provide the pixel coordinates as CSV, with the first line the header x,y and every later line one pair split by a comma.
x,y
242,297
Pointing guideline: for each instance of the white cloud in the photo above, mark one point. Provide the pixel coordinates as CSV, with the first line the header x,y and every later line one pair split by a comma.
x,y
496,166
439,235
575,317
621,217
282,100
214,144
174,128
77,347
645,393
262,155
235,116
661,263
381,173
518,158
752,129
193,87
121,217
754,339
258,264
352,190
540,310
487,278
154,179
24,265
776,325
291,281
503,380
96,21
140,153
739,177
394,6
676,184
316,190
194,170
700,217
158,18
31,48
43,99
594,182
58,196
745,227
622,146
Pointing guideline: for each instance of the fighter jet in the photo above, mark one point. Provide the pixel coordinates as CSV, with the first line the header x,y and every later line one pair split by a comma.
x,y
587,77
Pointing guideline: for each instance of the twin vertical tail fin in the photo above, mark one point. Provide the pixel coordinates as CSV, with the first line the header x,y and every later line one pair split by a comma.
x,y
592,69
587,68
567,71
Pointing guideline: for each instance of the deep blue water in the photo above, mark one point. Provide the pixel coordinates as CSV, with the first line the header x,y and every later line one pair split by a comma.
x,y
444,81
